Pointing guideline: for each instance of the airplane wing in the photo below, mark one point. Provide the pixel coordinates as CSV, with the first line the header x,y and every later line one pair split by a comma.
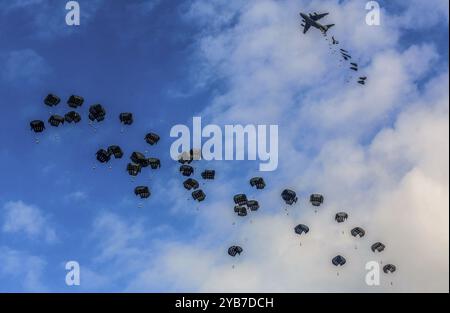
x,y
307,26
317,17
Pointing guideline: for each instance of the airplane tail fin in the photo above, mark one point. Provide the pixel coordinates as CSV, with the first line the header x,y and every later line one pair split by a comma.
x,y
327,27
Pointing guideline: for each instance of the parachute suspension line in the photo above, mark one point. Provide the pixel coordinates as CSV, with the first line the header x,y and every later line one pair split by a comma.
x,y
36,140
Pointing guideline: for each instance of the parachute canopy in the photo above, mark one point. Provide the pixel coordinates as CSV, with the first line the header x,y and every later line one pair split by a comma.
x,y
37,126
198,195
233,250
56,120
190,183
258,182
186,170
240,210
52,100
300,229
240,199
142,191
103,156
154,163
289,196
208,174
126,118
358,231
133,169
253,205
378,246
389,268
116,151
72,117
97,113
316,199
341,217
338,260
75,101
152,138
139,158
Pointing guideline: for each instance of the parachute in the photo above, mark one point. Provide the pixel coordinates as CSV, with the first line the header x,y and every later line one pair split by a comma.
x,y
187,157
152,138
139,158
258,182
378,246
133,169
56,120
190,183
240,199
116,151
154,163
208,174
316,199
97,113
52,100
198,195
240,210
338,260
126,118
186,170
103,156
289,196
233,250
142,191
75,101
389,268
182,160
341,217
300,229
37,126
72,116
358,231
253,205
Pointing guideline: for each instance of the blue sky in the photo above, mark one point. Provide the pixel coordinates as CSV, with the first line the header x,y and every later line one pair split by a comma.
x,y
166,62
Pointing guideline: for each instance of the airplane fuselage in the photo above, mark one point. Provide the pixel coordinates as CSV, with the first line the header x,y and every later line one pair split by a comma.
x,y
313,23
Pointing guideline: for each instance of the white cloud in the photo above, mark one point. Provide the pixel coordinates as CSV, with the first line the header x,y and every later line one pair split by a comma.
x,y
378,152
25,66
23,271
20,217
76,196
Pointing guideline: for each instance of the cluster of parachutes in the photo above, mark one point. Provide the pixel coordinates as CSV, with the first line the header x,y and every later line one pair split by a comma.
x,y
290,198
55,120
138,161
346,57
242,205
187,170
97,113
340,217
